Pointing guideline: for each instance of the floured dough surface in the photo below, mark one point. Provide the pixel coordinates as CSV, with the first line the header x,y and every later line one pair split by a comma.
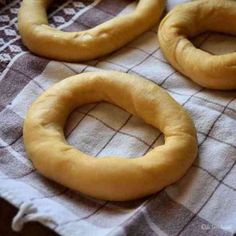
x,y
49,42
109,178
188,20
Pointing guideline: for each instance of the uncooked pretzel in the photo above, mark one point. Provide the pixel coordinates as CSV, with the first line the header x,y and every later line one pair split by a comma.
x,y
46,41
109,178
188,20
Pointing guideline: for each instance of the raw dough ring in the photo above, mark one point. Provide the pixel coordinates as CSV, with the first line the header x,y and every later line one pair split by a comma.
x,y
188,20
109,178
46,41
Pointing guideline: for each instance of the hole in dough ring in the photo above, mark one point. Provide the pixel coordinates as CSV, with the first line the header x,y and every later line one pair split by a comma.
x,y
188,20
109,178
46,41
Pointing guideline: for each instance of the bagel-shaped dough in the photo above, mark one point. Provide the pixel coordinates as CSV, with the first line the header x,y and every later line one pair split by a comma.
x,y
49,42
109,178
188,20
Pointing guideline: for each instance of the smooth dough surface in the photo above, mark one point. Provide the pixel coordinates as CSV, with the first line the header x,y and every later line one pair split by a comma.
x,y
105,38
109,178
188,20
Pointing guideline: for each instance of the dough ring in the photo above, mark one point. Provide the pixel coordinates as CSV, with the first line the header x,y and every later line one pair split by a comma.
x,y
109,178
188,20
46,41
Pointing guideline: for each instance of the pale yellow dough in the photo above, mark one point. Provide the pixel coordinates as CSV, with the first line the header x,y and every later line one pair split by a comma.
x,y
49,42
188,20
109,178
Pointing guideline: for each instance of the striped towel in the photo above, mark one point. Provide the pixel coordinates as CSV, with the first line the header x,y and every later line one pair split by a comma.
x,y
203,202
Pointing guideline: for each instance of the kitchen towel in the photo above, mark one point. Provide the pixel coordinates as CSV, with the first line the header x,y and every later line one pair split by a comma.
x,y
203,202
